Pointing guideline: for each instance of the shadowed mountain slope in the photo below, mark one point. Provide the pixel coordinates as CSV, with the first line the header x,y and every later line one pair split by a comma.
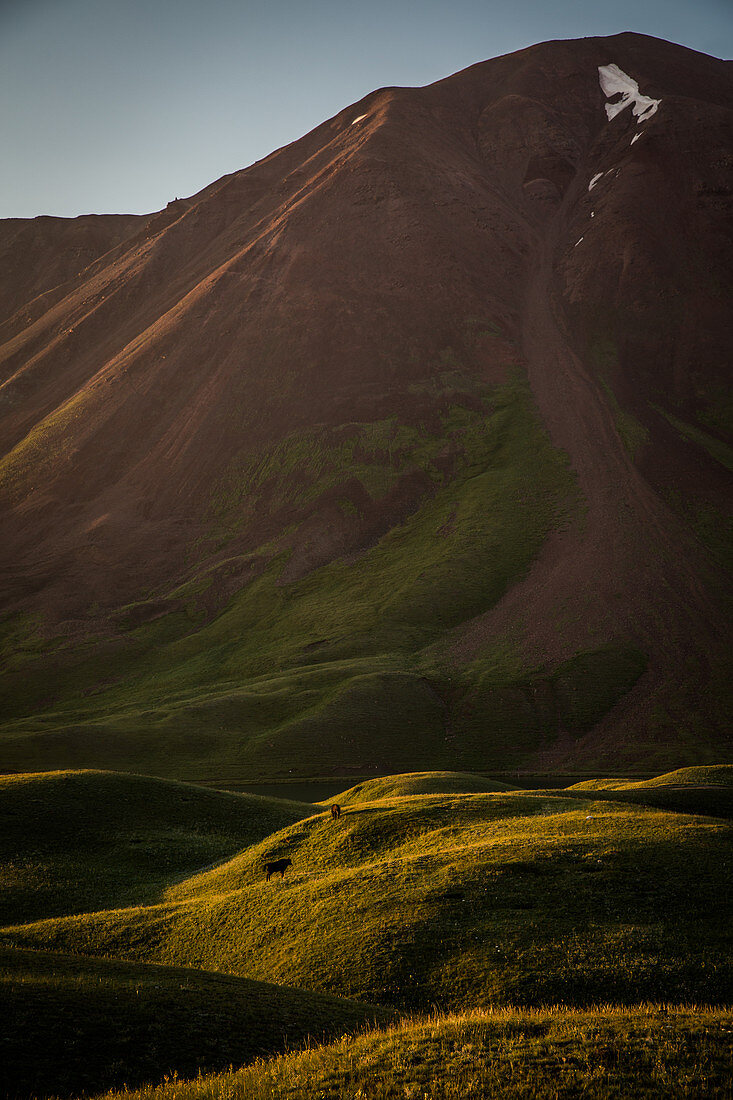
x,y
407,446
44,255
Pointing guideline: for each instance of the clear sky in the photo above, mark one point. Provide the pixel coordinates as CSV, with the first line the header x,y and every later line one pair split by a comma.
x,y
112,106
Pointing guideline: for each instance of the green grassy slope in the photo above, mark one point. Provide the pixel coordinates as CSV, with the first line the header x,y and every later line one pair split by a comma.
x,y
714,775
701,790
75,841
347,666
720,775
453,900
448,901
610,1054
390,786
76,1026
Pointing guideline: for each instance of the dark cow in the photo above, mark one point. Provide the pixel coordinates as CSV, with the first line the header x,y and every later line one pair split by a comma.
x,y
280,865
335,811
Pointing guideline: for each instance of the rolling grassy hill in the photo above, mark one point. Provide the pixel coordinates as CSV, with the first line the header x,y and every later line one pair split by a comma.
x,y
75,1026
390,786
416,900
717,775
703,790
452,900
77,841
608,1054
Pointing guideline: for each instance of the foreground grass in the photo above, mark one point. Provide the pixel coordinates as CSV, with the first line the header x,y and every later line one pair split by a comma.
x,y
74,1025
452,901
418,900
605,1054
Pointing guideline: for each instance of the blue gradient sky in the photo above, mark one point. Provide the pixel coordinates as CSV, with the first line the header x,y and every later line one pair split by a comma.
x,y
121,105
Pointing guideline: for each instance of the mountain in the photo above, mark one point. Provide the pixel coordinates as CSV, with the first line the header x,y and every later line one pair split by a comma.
x,y
405,447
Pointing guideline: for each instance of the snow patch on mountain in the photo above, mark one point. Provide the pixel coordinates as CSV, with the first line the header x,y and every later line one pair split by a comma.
x,y
614,81
357,119
595,180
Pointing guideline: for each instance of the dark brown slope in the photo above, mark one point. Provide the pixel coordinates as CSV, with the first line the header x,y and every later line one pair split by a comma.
x,y
628,310
40,254
331,283
316,287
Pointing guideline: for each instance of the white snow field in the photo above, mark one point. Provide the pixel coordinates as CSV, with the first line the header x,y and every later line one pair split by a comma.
x,y
614,80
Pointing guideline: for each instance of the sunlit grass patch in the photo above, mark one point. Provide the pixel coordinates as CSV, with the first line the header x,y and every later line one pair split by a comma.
x,y
607,1054
701,790
453,901
433,782
710,775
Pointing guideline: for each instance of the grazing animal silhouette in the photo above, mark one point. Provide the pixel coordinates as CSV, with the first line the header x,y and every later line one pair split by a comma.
x,y
335,811
280,865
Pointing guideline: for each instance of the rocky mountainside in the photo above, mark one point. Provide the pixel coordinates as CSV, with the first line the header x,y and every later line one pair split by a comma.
x,y
408,445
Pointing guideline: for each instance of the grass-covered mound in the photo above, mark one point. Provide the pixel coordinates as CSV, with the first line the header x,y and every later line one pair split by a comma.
x,y
455,901
712,775
608,1054
698,790
74,1025
719,775
391,786
77,841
